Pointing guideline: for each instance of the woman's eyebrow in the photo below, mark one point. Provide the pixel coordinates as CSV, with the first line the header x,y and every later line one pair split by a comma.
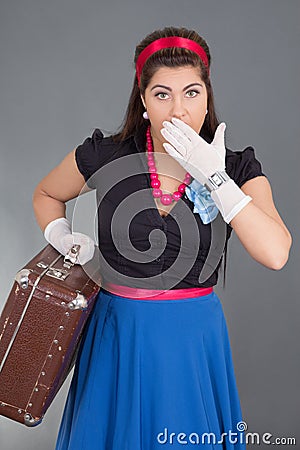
x,y
169,89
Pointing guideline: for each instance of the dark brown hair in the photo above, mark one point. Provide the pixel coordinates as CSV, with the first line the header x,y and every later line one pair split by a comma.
x,y
169,57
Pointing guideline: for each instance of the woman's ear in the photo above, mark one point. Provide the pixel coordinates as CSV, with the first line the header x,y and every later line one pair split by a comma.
x,y
143,101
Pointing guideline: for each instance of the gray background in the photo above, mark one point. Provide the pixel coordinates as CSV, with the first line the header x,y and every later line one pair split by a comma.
x,y
66,67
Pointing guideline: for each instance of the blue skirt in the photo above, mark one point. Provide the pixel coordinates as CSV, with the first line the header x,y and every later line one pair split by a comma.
x,y
153,374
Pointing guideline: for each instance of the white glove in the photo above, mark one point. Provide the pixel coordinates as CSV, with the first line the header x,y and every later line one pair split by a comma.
x,y
198,157
202,160
59,234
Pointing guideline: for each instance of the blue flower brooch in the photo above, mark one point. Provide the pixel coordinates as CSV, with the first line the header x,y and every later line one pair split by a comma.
x,y
203,203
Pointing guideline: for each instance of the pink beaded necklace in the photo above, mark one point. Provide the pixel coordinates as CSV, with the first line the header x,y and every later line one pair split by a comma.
x,y
166,199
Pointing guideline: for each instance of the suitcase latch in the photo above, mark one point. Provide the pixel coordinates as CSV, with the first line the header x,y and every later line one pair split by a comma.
x,y
58,274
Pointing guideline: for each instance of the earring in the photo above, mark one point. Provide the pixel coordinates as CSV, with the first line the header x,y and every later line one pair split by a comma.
x,y
206,111
145,115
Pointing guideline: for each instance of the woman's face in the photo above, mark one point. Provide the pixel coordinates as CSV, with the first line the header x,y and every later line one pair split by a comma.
x,y
175,92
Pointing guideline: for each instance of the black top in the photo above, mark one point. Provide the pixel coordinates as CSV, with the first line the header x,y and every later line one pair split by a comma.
x,y
138,247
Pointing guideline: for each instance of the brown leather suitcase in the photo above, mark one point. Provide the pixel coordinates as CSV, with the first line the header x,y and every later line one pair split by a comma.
x,y
41,327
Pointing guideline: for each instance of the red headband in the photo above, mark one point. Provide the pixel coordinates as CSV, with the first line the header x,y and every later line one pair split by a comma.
x,y
167,42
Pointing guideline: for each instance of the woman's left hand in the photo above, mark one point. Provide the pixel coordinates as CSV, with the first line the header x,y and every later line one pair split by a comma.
x,y
198,157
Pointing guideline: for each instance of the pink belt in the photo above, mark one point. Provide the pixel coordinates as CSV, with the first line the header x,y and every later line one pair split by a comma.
x,y
154,294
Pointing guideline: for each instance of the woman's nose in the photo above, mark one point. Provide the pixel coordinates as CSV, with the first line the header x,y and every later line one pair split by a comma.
x,y
178,109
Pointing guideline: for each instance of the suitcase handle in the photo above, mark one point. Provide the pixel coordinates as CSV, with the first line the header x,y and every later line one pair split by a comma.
x,y
71,257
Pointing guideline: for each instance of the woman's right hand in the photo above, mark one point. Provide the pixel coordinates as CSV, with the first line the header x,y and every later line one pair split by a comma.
x,y
59,234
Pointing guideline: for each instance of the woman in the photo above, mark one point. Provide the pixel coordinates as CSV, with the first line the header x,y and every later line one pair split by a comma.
x,y
155,367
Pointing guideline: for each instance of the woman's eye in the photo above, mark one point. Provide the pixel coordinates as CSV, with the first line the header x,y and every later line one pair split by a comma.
x,y
194,91
160,93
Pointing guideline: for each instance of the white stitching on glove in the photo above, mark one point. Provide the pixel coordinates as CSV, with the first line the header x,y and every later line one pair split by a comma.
x,y
59,234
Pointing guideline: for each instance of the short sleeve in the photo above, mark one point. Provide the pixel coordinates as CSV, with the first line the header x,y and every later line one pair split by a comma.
x,y
91,155
243,165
